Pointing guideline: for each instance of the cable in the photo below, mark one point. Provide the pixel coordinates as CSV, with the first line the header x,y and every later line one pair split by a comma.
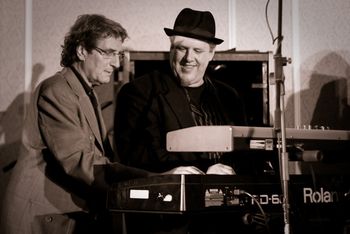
x,y
268,23
257,217
269,27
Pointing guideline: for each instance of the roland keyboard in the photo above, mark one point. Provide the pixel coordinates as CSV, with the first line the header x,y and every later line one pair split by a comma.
x,y
313,143
180,194
320,205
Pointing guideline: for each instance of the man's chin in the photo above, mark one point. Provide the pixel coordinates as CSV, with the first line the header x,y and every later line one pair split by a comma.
x,y
191,82
105,81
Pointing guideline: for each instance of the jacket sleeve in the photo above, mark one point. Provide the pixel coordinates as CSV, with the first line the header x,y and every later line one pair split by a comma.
x,y
131,107
67,134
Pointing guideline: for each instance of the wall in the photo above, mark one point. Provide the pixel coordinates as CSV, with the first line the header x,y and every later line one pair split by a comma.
x,y
12,66
323,65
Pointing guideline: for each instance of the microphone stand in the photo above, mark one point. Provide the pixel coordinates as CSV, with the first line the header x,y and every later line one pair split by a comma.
x,y
279,127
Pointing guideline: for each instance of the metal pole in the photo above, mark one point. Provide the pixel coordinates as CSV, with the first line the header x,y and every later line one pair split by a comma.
x,y
280,128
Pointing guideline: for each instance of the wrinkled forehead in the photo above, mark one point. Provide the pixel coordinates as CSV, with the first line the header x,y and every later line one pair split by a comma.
x,y
189,42
112,43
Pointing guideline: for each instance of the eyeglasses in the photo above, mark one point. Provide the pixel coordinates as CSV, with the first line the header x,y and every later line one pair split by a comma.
x,y
109,54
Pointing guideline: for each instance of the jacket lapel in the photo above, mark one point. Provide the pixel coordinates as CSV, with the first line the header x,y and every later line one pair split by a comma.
x,y
177,102
85,104
99,113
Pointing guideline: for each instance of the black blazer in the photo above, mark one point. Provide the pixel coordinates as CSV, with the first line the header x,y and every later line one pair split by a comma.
x,y
152,105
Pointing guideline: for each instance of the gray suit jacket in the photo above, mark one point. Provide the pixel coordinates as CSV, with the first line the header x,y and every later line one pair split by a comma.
x,y
55,177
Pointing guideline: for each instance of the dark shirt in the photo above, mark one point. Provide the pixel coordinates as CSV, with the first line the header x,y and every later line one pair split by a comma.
x,y
151,106
90,92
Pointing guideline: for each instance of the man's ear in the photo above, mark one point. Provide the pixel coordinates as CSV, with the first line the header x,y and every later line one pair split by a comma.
x,y
212,55
81,52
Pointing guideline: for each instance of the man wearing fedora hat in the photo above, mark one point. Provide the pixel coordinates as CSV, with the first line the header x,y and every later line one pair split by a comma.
x,y
178,96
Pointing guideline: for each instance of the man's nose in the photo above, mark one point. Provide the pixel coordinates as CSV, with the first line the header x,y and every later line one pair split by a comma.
x,y
115,62
189,55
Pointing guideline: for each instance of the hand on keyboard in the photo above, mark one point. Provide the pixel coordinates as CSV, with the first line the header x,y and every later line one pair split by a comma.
x,y
220,169
185,170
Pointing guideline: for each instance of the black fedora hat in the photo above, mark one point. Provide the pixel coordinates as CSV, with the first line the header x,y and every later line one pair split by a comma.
x,y
195,24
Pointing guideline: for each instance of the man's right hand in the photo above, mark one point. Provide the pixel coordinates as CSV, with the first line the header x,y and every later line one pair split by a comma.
x,y
184,170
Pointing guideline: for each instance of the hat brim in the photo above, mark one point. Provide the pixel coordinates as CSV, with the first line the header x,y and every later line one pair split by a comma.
x,y
171,32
